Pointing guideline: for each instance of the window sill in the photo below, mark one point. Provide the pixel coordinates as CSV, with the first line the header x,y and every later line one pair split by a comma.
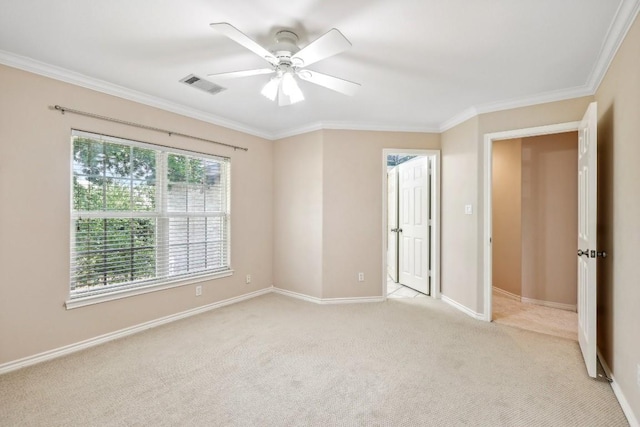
x,y
125,293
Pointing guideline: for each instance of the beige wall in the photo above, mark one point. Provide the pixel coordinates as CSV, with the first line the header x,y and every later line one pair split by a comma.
x,y
536,115
618,216
507,215
328,210
35,213
459,249
298,205
352,207
550,218
463,239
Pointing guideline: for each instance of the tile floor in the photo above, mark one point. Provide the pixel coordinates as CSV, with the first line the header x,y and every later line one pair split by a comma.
x,y
396,290
536,318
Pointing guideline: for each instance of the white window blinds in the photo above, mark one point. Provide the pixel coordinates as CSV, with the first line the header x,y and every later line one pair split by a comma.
x,y
144,214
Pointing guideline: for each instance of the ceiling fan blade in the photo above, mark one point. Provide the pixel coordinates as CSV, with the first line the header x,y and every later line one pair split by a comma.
x,y
329,44
242,39
237,74
334,83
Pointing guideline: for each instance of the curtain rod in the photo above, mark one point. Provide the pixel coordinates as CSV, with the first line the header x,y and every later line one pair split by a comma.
x,y
138,125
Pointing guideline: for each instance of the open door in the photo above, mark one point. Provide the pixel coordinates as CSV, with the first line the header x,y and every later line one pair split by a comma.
x,y
587,240
392,224
413,234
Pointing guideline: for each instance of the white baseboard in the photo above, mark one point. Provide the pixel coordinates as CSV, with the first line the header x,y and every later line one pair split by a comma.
x,y
624,403
356,300
462,308
317,300
550,304
506,294
72,348
296,295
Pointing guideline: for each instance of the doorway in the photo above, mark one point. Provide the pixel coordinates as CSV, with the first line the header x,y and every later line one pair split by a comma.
x,y
411,197
588,253
488,198
535,233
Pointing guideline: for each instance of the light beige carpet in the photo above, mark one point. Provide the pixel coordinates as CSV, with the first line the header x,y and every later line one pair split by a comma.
x,y
277,361
537,318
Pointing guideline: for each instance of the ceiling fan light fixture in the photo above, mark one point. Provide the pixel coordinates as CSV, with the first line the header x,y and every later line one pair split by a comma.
x,y
270,90
291,89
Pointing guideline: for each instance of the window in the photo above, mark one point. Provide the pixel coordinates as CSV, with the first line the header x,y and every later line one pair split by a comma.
x,y
145,215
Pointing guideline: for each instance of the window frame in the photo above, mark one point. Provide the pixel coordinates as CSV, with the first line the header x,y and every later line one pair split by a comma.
x,y
161,213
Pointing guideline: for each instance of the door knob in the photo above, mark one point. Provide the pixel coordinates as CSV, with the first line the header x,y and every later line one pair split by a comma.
x,y
581,252
601,254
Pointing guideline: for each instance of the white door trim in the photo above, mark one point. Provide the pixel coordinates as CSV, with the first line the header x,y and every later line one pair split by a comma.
x,y
435,216
488,208
392,238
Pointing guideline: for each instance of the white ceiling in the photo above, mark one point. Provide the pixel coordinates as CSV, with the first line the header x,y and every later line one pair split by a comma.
x,y
423,64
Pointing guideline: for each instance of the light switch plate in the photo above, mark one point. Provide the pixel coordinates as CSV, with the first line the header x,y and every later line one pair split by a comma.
x,y
468,209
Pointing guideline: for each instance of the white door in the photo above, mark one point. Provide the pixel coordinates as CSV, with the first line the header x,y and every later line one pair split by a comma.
x,y
392,224
414,224
587,242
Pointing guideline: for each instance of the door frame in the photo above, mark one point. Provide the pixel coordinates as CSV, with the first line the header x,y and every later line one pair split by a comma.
x,y
487,191
435,216
393,205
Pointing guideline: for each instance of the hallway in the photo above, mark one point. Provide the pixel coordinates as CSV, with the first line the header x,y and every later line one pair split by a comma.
x,y
536,318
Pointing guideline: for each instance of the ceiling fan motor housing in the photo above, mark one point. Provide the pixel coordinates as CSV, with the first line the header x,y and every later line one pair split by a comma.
x,y
286,47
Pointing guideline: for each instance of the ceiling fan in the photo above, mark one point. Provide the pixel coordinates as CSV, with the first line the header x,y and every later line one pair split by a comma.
x,y
288,63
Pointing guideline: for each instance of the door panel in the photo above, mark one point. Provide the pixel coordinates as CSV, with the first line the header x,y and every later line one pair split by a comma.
x,y
392,224
587,242
414,224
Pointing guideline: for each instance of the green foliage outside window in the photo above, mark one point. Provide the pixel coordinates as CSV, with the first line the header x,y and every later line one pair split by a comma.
x,y
114,250
119,226
113,177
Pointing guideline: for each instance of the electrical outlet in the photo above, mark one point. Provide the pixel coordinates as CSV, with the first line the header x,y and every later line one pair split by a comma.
x,y
198,291
360,277
248,279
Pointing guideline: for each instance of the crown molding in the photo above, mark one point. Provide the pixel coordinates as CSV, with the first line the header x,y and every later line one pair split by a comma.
x,y
297,131
625,16
378,127
491,107
622,22
542,98
68,76
355,126
459,118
